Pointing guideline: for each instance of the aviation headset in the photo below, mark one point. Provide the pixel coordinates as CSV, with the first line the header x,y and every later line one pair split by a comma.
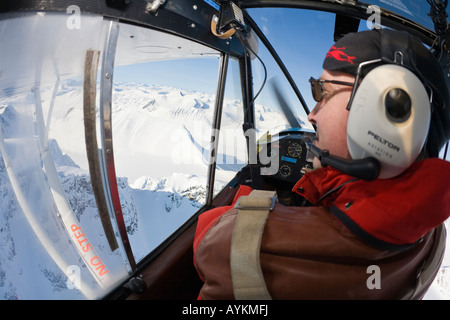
x,y
401,101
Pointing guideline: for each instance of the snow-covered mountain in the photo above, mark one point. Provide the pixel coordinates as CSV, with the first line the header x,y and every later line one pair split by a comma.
x,y
161,139
169,201
161,148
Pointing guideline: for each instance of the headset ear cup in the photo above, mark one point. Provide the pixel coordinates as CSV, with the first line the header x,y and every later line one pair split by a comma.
x,y
398,105
395,138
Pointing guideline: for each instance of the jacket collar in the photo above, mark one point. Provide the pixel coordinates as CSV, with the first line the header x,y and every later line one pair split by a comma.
x,y
314,185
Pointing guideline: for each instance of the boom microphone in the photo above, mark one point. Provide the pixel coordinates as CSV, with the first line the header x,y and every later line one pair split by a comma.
x,y
366,168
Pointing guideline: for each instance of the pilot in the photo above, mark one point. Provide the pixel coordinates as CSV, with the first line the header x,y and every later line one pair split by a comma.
x,y
382,95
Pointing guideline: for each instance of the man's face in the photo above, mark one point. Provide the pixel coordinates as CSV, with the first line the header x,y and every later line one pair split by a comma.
x,y
330,116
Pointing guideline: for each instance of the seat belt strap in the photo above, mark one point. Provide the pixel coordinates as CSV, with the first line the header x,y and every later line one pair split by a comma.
x,y
246,273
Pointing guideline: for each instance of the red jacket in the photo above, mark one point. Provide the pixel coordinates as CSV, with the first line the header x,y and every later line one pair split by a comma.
x,y
389,215
399,210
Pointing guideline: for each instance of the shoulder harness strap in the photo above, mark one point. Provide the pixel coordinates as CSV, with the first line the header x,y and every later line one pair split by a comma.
x,y
246,273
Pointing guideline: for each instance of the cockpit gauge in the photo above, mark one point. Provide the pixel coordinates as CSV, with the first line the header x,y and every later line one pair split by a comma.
x,y
295,150
285,170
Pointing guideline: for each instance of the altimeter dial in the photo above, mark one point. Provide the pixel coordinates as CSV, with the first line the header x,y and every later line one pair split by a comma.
x,y
295,150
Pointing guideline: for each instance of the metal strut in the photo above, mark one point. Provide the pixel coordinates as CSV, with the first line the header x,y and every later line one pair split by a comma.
x,y
100,155
89,91
107,151
216,126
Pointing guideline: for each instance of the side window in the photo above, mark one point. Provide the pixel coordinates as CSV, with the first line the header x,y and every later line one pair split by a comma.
x,y
232,148
54,241
162,109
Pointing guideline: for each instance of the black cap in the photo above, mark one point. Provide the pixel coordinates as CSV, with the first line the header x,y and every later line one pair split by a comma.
x,y
351,50
354,48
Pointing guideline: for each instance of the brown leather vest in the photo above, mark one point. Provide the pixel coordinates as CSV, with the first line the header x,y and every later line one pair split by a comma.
x,y
307,253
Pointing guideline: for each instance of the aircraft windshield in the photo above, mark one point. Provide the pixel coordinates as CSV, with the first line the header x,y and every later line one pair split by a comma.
x,y
414,10
303,52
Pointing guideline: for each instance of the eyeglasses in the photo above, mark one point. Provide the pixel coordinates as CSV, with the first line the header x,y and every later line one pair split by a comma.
x,y
317,89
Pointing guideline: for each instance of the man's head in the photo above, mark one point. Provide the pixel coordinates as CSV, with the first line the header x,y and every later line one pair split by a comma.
x,y
330,115
351,59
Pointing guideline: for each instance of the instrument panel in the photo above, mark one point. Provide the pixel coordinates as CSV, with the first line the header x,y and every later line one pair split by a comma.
x,y
290,150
